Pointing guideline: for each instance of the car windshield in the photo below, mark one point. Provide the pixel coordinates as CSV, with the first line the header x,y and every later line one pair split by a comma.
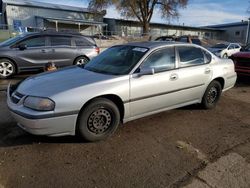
x,y
117,60
220,46
11,40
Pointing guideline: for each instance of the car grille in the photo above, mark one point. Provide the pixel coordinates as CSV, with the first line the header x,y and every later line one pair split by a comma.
x,y
16,97
243,62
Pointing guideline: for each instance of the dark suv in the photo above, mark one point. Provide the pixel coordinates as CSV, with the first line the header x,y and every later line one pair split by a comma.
x,y
32,51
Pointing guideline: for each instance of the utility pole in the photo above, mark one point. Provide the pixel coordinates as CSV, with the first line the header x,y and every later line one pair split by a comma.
x,y
247,35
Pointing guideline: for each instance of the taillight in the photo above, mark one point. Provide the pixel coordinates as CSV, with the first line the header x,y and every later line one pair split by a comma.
x,y
97,49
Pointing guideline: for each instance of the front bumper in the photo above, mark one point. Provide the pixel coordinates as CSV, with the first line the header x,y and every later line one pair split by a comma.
x,y
41,123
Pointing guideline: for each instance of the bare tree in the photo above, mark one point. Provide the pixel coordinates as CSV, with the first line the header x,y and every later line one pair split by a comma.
x,y
142,9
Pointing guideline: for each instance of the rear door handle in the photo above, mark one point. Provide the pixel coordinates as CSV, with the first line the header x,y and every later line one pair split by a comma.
x,y
207,70
173,77
44,51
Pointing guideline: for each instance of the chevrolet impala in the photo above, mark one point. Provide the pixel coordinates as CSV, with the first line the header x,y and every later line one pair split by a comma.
x,y
123,83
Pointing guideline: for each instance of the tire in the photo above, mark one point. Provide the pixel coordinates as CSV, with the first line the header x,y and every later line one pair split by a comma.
x,y
98,120
81,60
212,95
7,68
225,56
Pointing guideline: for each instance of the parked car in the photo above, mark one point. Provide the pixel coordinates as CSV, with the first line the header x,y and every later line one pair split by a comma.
x,y
33,50
242,61
225,50
165,38
189,39
123,83
186,39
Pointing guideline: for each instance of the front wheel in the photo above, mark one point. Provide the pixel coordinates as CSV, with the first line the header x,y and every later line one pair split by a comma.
x,y
225,56
98,120
212,95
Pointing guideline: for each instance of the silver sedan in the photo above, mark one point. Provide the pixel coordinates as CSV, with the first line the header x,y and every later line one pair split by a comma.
x,y
123,83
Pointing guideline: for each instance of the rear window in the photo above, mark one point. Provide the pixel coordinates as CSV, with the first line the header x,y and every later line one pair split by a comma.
x,y
81,41
60,41
190,56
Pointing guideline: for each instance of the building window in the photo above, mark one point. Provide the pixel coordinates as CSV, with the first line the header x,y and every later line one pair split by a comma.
x,y
237,33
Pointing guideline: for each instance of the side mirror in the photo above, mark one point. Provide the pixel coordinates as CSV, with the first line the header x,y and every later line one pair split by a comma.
x,y
22,46
146,71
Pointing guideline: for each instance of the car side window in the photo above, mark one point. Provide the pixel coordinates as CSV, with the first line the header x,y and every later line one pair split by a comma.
x,y
231,47
236,46
207,57
190,56
34,42
60,41
161,60
82,42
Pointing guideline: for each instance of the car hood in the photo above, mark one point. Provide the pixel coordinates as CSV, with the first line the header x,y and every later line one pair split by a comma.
x,y
242,55
51,83
215,49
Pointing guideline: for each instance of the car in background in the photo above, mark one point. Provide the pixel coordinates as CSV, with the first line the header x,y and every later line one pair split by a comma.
x,y
242,61
186,39
165,38
189,39
123,83
225,50
32,51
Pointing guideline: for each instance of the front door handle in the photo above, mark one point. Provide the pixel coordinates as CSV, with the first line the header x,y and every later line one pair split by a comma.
x,y
173,77
44,51
207,70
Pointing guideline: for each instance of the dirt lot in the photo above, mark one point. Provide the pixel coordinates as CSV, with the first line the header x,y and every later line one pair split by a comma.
x,y
164,150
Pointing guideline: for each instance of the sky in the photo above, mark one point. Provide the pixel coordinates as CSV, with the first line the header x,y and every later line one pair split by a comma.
x,y
197,12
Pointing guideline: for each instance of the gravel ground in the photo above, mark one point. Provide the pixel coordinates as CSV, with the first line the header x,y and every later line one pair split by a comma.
x,y
163,150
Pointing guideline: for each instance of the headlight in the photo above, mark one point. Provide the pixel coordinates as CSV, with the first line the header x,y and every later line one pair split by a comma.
x,y
39,103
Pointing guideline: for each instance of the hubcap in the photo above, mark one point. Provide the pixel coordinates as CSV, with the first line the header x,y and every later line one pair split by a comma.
x,y
212,95
81,61
99,121
6,69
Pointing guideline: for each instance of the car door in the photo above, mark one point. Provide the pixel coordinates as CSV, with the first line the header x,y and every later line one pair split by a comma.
x,y
32,51
61,51
230,50
194,72
156,91
237,48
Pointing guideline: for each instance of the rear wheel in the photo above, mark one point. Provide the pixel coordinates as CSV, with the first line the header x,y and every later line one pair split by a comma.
x,y
7,68
225,56
81,60
98,120
212,95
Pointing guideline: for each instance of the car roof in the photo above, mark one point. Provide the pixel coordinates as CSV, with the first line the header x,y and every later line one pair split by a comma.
x,y
154,44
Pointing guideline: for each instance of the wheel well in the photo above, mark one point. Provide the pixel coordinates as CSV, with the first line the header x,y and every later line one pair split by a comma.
x,y
80,56
16,68
221,81
114,98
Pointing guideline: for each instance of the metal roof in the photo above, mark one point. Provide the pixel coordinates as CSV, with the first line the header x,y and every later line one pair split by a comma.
x,y
37,4
72,21
166,25
235,24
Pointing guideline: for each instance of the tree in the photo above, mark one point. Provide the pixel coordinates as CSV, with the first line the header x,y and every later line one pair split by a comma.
x,y
142,9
